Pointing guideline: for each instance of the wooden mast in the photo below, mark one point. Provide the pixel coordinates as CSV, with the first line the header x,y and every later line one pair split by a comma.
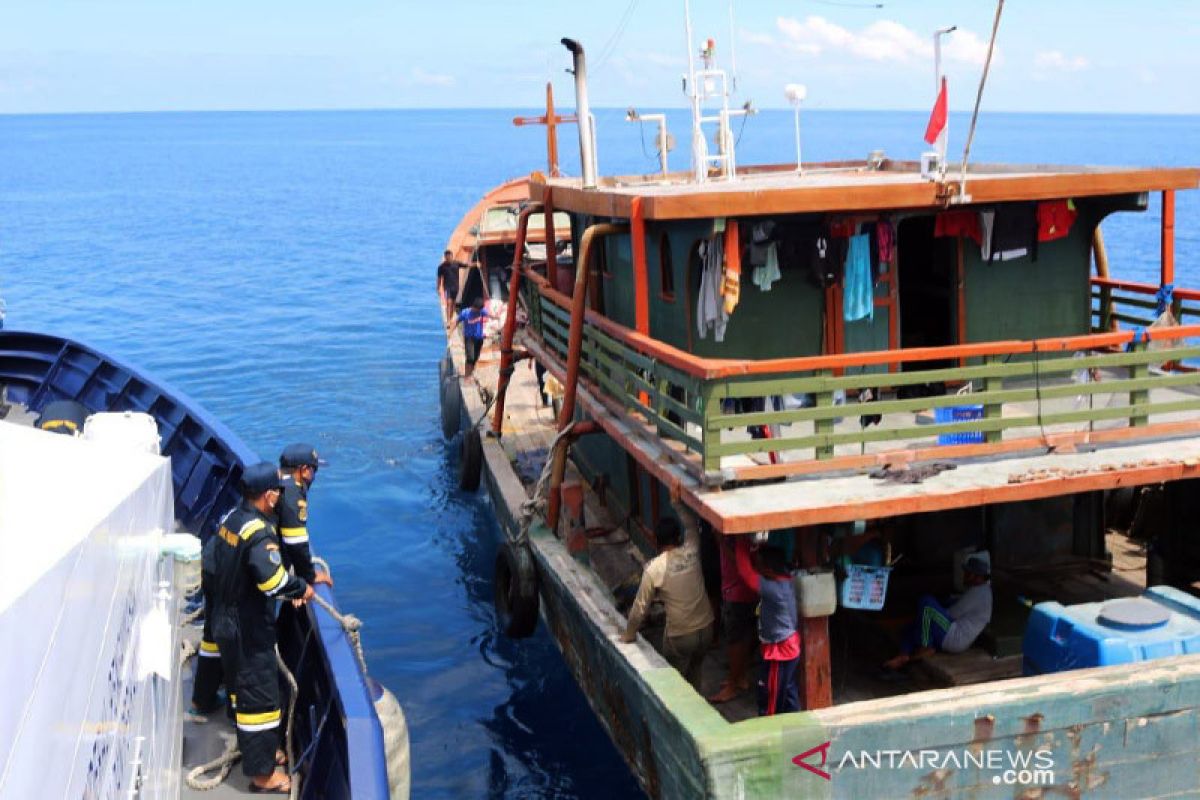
x,y
551,120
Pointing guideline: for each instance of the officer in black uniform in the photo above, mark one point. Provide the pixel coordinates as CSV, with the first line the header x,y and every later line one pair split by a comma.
x,y
299,464
248,577
208,657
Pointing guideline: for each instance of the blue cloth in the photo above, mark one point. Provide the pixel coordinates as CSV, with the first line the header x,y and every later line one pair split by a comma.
x,y
932,625
776,610
859,292
472,321
1165,295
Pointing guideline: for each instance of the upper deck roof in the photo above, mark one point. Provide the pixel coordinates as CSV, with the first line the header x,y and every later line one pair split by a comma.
x,y
849,186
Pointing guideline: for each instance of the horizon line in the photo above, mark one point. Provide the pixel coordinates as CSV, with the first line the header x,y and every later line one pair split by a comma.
x,y
372,109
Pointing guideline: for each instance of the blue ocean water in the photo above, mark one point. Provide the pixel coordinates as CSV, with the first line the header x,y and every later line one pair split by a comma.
x,y
278,267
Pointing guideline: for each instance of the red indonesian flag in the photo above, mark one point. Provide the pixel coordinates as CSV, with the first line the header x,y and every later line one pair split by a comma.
x,y
937,118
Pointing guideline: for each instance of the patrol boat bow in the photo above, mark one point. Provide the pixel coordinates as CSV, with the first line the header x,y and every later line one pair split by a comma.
x,y
120,732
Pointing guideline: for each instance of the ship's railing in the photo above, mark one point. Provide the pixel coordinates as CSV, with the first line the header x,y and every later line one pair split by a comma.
x,y
1109,385
1138,305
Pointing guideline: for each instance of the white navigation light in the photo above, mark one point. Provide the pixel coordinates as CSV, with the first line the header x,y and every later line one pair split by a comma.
x,y
795,94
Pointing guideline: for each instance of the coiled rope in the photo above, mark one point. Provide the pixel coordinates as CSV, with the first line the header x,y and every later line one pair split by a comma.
x,y
222,763
535,504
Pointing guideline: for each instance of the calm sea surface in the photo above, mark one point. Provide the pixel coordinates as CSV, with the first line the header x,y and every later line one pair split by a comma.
x,y
278,267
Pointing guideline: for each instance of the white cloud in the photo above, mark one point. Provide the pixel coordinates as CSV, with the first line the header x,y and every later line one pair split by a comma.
x,y
419,77
754,37
884,40
1054,60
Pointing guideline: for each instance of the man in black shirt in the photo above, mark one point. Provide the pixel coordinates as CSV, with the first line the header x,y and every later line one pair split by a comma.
x,y
447,283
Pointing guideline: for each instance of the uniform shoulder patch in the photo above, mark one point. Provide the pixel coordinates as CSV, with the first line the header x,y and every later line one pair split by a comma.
x,y
276,559
303,510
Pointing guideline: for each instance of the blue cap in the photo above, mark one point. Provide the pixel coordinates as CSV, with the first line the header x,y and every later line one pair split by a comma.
x,y
299,455
259,478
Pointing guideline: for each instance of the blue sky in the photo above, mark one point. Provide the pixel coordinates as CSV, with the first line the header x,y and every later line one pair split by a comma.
x,y
150,55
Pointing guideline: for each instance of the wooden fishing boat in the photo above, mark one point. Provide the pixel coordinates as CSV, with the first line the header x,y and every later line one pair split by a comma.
x,y
1002,404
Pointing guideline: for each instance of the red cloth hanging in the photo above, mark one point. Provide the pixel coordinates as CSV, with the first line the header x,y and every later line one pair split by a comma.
x,y
958,223
1054,219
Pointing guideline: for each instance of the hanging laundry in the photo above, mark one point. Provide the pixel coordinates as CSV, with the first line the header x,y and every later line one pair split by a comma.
x,y
710,311
885,242
858,296
958,223
765,275
1014,231
987,220
843,228
731,285
826,255
1054,219
761,236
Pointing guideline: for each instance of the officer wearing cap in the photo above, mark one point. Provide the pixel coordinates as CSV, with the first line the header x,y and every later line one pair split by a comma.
x,y
299,465
248,577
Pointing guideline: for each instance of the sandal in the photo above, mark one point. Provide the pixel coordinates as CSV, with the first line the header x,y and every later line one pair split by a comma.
x,y
283,787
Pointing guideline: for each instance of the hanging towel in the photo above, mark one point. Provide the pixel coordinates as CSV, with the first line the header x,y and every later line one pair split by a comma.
x,y
858,300
710,311
987,220
768,273
885,238
1054,219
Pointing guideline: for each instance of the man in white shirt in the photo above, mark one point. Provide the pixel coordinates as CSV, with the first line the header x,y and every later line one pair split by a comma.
x,y
951,629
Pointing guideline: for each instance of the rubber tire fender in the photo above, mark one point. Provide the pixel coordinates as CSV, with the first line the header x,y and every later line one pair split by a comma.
x,y
470,461
516,590
451,407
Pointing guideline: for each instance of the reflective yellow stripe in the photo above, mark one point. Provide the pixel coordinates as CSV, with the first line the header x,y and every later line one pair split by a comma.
x,y
294,535
259,718
233,699
54,424
252,527
272,583
209,647
227,536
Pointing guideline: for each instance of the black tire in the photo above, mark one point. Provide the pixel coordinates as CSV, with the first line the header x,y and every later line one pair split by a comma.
x,y
470,461
516,595
451,407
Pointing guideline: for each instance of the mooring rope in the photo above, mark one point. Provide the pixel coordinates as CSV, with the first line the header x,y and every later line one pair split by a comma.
x,y
535,504
222,763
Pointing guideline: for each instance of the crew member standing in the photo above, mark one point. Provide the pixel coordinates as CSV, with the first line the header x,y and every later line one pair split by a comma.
x,y
299,465
207,680
447,283
248,577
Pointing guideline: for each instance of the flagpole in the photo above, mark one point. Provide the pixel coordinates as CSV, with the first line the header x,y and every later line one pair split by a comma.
x,y
944,136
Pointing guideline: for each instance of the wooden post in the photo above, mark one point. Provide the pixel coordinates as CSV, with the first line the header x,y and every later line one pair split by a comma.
x,y
824,399
1167,271
1139,372
815,675
993,383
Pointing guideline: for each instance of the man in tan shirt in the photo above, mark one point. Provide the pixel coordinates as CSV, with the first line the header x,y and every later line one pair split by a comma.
x,y
675,576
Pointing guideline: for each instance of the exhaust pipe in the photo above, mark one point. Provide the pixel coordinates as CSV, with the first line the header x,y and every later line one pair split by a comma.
x,y
587,146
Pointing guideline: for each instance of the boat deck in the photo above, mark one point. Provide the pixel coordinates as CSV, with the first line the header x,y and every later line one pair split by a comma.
x,y
857,648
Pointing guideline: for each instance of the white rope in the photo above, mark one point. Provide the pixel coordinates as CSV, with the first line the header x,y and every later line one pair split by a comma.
x,y
536,503
351,625
223,763
289,750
